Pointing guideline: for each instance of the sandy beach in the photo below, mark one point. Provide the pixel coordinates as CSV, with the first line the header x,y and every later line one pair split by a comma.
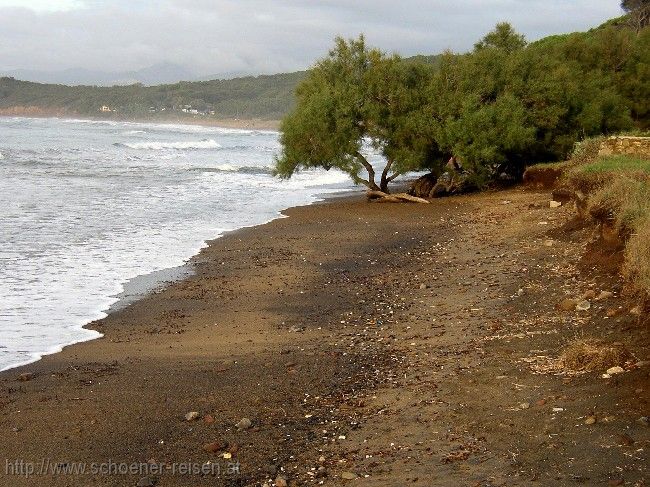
x,y
349,344
233,123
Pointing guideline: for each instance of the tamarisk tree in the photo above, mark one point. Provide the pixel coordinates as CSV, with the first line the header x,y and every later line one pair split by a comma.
x,y
357,95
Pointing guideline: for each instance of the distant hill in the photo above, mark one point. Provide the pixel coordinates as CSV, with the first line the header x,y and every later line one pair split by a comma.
x,y
152,75
266,97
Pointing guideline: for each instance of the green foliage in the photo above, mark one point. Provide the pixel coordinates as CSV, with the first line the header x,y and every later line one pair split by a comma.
x,y
500,108
617,164
358,95
503,37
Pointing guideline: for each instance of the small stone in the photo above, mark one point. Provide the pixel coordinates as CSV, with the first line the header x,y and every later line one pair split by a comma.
x,y
541,402
615,482
567,304
213,447
636,311
146,482
227,455
27,376
604,295
280,481
524,405
348,476
555,204
244,424
590,294
548,243
590,420
615,370
208,418
192,416
296,329
423,286
321,459
583,305
558,410
644,420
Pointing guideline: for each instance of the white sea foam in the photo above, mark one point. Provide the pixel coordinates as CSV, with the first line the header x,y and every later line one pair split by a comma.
x,y
82,215
1,156
199,144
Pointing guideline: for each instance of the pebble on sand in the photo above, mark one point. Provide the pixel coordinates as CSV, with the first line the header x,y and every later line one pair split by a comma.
x,y
567,304
213,447
192,416
244,424
146,482
615,370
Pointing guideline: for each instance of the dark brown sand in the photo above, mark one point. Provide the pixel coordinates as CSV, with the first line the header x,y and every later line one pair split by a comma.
x,y
368,344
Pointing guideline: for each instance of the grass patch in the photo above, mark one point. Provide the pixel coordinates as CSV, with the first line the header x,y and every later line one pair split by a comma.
x,y
625,202
615,190
589,355
595,175
636,267
617,164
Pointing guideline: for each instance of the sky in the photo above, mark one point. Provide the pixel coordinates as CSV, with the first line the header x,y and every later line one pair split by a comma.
x,y
260,36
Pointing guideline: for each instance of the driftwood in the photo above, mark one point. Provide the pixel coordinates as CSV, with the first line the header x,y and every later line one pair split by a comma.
x,y
381,197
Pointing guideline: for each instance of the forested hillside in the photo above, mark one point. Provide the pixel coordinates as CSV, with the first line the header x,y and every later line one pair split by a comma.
x,y
267,97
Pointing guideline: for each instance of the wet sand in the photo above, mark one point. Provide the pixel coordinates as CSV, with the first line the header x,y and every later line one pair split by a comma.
x,y
367,344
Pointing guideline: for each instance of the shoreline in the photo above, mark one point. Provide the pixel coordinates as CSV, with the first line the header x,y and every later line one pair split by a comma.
x,y
351,343
242,124
141,286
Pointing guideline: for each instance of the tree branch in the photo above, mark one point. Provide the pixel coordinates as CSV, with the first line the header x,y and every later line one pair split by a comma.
x,y
394,176
368,167
386,170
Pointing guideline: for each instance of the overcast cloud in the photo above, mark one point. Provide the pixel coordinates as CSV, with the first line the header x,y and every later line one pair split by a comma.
x,y
261,36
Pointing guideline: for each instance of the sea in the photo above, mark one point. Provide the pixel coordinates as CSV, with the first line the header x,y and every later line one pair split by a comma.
x,y
88,207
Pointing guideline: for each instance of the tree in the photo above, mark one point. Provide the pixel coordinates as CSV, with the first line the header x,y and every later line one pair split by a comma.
x,y
503,37
639,11
357,95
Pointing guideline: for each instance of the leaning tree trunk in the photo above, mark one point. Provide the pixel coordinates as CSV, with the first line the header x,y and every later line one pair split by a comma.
x,y
386,179
370,183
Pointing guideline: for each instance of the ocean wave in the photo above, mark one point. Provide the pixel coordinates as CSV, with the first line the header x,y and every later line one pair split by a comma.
x,y
88,121
236,169
200,144
135,132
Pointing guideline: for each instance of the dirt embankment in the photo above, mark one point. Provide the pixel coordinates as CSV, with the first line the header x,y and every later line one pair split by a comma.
x,y
370,345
